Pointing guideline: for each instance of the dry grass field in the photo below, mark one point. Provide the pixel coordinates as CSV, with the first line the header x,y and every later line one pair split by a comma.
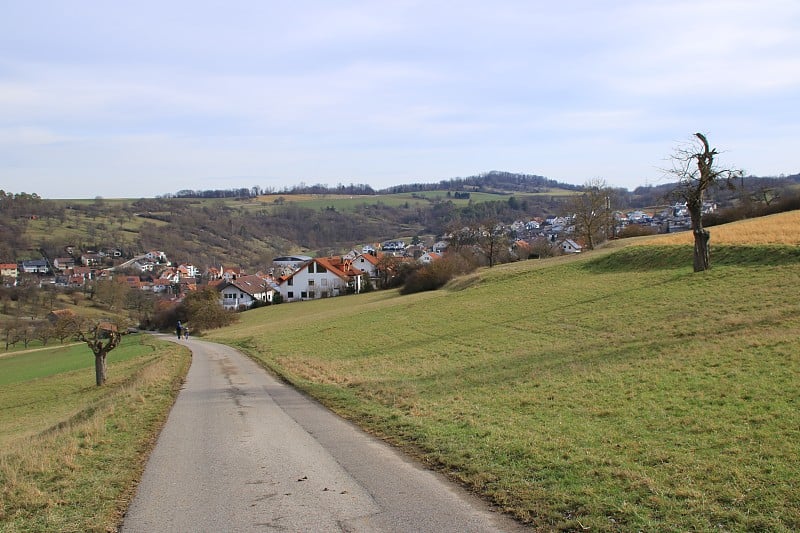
x,y
782,228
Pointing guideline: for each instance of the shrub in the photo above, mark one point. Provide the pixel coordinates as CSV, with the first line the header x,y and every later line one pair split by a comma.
x,y
636,230
436,274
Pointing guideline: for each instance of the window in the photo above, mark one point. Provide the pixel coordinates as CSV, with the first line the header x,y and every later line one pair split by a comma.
x,y
303,295
311,268
289,295
311,294
290,282
311,283
321,269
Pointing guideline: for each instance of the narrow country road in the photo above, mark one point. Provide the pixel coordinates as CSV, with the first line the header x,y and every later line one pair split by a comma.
x,y
242,451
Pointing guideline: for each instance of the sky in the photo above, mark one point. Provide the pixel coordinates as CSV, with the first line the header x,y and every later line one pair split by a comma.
x,y
147,98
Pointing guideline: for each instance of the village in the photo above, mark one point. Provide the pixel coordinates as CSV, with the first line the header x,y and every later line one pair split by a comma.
x,y
293,278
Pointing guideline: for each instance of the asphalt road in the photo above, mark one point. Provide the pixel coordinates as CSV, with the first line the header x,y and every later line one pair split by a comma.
x,y
242,451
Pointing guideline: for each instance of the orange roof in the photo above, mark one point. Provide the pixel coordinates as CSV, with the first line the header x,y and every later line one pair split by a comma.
x,y
369,258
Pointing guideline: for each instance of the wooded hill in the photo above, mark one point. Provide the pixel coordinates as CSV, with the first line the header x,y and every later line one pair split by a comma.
x,y
248,227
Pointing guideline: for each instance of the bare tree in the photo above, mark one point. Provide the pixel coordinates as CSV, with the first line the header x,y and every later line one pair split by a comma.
x,y
492,240
696,170
591,212
101,337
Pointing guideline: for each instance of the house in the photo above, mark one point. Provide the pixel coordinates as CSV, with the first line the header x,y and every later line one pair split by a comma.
x,y
213,273
187,270
91,259
35,266
157,255
568,246
162,286
84,272
243,292
63,263
143,265
76,280
230,273
533,225
439,247
9,270
59,314
284,266
367,263
429,257
321,278
393,246
170,274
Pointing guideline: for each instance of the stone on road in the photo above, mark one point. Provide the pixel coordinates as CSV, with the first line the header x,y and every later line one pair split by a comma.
x,y
242,451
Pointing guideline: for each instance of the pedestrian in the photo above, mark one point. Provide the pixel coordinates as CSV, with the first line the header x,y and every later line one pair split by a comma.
x,y
186,332
179,329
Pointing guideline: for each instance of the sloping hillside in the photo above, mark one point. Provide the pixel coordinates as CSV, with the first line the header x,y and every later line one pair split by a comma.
x,y
617,391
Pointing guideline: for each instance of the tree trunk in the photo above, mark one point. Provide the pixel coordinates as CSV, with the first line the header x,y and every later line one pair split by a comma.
x,y
701,257
100,368
701,238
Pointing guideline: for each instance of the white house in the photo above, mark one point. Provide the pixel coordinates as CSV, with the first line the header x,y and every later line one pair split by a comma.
x,y
187,270
429,257
35,266
9,273
244,291
320,278
439,247
156,255
568,246
368,263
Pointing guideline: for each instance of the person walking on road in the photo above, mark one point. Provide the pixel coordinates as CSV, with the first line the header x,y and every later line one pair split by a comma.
x,y
179,330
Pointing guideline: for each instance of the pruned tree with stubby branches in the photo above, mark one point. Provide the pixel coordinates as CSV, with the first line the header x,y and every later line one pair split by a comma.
x,y
696,168
101,337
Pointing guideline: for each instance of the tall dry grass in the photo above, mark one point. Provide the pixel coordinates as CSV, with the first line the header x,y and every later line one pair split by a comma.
x,y
781,228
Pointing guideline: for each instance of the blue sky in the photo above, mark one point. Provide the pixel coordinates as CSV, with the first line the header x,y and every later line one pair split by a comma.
x,y
139,99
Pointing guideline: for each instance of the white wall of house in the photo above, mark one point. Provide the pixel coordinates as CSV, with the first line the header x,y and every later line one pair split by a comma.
x,y
427,258
570,247
305,285
361,263
234,297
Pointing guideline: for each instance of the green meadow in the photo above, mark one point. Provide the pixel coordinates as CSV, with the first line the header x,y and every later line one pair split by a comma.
x,y
617,391
347,203
71,452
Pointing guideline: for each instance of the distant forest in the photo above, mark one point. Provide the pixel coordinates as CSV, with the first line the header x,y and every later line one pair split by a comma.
x,y
501,182
494,181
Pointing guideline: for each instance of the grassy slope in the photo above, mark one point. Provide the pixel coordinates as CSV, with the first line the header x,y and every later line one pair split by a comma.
x,y
71,452
615,391
419,198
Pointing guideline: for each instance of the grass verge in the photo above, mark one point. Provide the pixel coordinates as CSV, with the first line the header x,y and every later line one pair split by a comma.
x,y
71,451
